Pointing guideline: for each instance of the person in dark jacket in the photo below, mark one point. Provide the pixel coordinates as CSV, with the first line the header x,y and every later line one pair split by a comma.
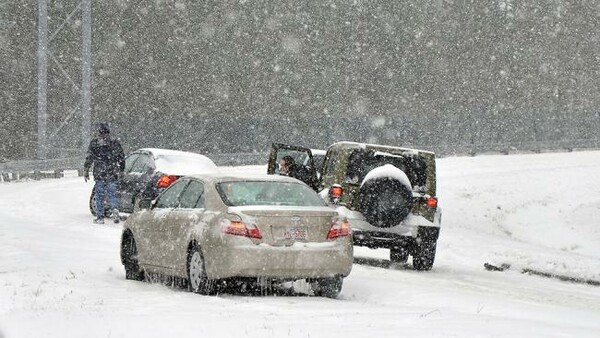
x,y
108,160
287,166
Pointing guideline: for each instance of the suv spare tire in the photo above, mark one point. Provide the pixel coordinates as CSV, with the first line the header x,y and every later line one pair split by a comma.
x,y
385,201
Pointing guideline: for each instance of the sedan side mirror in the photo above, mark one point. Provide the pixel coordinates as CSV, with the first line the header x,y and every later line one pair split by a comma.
x,y
145,203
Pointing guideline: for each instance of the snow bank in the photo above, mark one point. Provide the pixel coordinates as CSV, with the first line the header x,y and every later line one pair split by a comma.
x,y
61,276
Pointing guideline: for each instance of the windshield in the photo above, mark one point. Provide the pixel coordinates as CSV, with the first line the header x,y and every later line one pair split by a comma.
x,y
236,193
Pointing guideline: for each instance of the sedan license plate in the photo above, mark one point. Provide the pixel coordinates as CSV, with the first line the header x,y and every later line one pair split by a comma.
x,y
296,233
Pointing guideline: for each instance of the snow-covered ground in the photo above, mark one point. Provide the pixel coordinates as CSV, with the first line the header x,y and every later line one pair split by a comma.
x,y
60,275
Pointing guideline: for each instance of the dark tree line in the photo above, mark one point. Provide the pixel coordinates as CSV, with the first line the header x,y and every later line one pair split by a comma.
x,y
232,76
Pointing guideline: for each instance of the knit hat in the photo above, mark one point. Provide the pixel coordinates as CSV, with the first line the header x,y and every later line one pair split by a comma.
x,y
103,128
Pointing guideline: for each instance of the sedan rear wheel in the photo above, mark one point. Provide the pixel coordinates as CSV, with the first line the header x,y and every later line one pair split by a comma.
x,y
327,287
198,281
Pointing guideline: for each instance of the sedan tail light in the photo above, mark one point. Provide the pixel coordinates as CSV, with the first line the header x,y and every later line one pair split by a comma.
x,y
166,180
240,228
339,228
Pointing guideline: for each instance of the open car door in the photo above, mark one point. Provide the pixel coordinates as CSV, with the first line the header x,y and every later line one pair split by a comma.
x,y
303,159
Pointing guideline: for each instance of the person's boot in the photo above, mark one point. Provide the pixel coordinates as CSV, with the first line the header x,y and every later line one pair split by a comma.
x,y
99,220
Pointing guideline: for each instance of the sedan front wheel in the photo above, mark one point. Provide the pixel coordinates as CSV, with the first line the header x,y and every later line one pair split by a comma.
x,y
136,203
129,259
92,204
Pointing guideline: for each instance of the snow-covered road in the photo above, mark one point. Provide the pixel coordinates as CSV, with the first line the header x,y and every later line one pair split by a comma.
x,y
60,275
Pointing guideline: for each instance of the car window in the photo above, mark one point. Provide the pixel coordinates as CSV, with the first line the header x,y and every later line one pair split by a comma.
x,y
192,197
184,164
142,164
301,158
361,162
330,162
237,193
318,162
129,160
170,197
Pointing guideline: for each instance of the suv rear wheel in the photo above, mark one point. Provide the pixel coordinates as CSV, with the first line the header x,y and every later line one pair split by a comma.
x,y
424,255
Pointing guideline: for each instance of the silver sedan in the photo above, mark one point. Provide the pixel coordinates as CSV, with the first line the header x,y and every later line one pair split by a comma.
x,y
205,229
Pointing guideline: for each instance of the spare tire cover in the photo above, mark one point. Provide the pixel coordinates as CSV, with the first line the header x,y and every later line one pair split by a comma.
x,y
385,201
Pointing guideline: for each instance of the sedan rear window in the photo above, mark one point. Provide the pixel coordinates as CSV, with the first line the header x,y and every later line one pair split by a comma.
x,y
185,165
236,193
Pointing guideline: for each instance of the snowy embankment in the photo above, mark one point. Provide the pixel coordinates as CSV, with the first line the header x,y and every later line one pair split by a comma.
x,y
60,275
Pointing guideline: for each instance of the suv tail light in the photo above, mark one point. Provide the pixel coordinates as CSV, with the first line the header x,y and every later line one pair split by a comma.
x,y
339,228
240,228
166,180
335,193
431,202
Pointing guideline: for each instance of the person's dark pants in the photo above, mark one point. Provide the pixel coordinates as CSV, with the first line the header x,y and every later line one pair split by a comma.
x,y
111,188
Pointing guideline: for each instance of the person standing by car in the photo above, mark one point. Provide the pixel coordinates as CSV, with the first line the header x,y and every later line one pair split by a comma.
x,y
108,159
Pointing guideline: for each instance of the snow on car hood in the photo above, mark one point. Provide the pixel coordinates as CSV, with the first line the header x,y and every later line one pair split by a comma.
x,y
388,170
185,165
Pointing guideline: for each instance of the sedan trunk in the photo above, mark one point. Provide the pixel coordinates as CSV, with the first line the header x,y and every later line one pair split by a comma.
x,y
283,226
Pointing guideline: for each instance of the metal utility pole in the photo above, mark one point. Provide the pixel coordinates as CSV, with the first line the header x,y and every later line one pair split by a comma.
x,y
42,63
45,139
86,12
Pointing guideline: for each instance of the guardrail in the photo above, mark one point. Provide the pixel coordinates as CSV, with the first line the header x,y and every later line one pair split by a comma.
x,y
444,150
54,168
237,159
38,169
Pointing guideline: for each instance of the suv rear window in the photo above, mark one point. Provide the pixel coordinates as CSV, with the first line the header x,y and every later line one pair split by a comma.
x,y
237,193
361,162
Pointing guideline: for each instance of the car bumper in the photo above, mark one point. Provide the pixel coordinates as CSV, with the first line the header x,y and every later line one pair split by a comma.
x,y
298,261
386,240
404,234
